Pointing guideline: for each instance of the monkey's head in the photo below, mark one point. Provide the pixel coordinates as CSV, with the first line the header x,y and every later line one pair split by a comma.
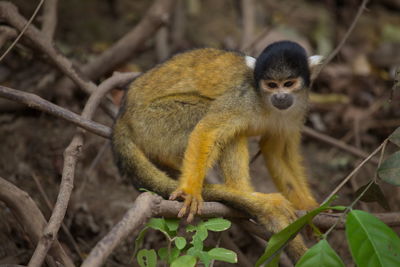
x,y
282,74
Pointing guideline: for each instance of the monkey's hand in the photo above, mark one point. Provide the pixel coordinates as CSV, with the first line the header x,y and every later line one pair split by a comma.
x,y
192,202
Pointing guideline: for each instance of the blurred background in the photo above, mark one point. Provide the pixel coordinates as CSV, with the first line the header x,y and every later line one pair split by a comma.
x,y
354,100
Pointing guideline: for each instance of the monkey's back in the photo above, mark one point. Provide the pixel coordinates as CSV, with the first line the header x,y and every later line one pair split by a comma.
x,y
205,72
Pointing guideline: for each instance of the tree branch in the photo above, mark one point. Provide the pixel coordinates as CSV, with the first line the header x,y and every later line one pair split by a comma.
x,y
157,15
36,102
148,205
67,181
30,217
49,23
9,13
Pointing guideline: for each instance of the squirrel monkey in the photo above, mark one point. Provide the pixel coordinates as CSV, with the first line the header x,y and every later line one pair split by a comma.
x,y
198,109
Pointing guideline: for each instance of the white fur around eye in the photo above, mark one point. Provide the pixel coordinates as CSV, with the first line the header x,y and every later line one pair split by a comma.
x,y
250,62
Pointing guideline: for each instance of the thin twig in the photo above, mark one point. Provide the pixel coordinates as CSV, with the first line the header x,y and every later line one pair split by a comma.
x,y
71,154
122,50
50,207
23,30
344,39
30,217
348,177
9,13
337,143
36,102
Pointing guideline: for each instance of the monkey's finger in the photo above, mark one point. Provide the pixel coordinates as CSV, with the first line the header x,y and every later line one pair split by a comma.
x,y
174,195
193,210
186,204
200,206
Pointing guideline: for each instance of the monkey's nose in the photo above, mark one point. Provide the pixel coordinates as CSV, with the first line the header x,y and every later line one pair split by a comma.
x,y
282,100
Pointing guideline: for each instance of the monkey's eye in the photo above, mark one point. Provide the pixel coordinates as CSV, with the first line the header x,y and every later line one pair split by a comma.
x,y
272,85
288,84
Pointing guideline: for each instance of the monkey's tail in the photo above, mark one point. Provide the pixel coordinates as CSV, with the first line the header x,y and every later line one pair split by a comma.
x,y
133,163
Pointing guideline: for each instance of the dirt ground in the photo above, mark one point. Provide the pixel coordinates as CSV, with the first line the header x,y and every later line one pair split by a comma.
x,y
353,102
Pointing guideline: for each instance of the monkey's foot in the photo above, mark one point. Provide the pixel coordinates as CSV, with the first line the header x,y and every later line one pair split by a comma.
x,y
192,202
306,204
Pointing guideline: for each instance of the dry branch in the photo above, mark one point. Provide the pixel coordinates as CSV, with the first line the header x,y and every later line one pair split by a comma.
x,y
30,217
248,21
49,24
67,180
22,30
344,39
36,102
9,13
148,205
157,15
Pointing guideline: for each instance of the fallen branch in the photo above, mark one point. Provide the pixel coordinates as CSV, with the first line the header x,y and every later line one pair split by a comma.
x,y
30,217
36,102
148,205
344,39
22,30
49,23
10,14
67,180
157,15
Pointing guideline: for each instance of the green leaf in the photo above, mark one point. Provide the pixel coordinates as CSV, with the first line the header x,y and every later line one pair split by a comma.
x,y
222,254
157,224
395,137
389,171
184,261
279,240
139,240
372,243
191,228
163,254
321,254
180,242
373,194
160,225
147,258
201,233
217,224
204,258
172,224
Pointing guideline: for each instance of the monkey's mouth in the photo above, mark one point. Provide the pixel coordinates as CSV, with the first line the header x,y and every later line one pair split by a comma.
x,y
282,101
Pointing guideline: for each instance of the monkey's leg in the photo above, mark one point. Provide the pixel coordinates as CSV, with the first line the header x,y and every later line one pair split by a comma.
x,y
283,159
273,211
234,162
210,135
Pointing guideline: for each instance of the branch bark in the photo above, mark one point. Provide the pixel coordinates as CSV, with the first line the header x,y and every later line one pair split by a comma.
x,y
67,181
49,24
157,15
148,205
9,13
30,217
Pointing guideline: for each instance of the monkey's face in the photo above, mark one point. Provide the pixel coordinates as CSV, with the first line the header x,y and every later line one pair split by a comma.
x,y
283,93
282,75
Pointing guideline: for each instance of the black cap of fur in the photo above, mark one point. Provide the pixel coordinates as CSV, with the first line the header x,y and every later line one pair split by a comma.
x,y
282,60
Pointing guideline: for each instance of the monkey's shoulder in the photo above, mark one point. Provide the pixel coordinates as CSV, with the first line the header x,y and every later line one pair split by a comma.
x,y
209,72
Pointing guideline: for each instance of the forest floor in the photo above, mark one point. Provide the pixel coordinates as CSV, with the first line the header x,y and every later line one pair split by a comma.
x,y
352,101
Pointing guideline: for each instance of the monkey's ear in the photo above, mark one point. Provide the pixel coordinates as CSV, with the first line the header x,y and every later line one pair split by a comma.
x,y
313,63
250,62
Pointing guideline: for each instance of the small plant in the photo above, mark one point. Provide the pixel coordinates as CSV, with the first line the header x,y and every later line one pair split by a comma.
x,y
179,252
371,242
